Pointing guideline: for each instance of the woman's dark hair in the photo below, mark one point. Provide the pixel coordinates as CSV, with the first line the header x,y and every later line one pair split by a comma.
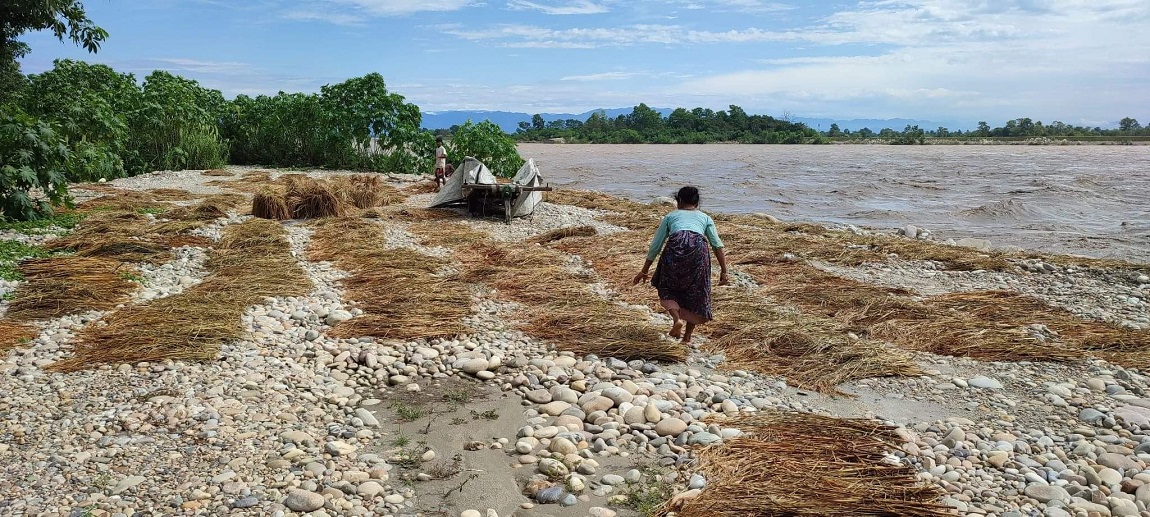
x,y
687,196
439,140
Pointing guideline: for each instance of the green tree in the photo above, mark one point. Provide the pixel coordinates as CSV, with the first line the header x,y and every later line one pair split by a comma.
x,y
65,18
537,121
488,143
983,129
834,130
1128,124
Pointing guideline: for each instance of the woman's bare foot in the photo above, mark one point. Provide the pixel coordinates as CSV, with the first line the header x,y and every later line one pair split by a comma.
x,y
676,329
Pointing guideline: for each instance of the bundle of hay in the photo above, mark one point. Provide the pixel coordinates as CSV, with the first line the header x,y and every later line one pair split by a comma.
x,y
365,191
310,199
270,204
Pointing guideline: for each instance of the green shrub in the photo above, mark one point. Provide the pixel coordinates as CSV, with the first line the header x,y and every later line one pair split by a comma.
x,y
486,142
33,158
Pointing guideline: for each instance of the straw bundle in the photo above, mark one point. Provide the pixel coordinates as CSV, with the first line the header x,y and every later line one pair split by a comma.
x,y
14,334
365,191
252,262
310,199
563,233
396,288
797,464
59,286
270,204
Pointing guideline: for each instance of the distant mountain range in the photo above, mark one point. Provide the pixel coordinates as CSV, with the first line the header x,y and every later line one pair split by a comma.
x,y
509,120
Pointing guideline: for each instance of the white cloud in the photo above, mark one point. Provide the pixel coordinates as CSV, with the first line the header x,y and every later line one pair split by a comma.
x,y
356,12
577,7
204,67
605,76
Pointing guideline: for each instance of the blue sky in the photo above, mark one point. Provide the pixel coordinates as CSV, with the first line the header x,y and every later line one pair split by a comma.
x,y
1078,61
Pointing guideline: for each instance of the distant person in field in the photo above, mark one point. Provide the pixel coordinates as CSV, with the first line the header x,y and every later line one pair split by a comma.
x,y
683,276
440,163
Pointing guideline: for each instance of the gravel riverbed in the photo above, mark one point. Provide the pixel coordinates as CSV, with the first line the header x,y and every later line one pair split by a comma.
x,y
291,421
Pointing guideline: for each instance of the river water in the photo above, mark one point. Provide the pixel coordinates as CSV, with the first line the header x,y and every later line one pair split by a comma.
x,y
1087,200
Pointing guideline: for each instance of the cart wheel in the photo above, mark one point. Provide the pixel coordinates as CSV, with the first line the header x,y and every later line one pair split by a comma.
x,y
507,209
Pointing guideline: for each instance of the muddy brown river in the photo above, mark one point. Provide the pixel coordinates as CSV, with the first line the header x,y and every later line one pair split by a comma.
x,y
1087,200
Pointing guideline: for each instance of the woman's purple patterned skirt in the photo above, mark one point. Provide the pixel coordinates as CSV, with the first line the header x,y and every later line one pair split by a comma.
x,y
684,272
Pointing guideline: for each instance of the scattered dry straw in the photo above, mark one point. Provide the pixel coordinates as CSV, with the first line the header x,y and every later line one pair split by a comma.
x,y
59,286
14,334
422,187
217,172
798,464
251,262
423,214
563,233
398,289
560,306
446,234
810,352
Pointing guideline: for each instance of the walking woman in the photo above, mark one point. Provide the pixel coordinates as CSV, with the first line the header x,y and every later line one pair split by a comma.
x,y
683,276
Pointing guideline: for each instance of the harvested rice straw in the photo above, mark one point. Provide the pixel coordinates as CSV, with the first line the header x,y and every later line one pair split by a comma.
x,y
309,199
252,262
60,286
799,464
250,182
217,172
446,234
423,214
616,257
396,288
593,200
270,204
14,334
421,187
564,233
810,352
559,306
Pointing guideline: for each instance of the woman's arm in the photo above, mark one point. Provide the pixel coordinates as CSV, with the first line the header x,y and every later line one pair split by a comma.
x,y
652,252
722,256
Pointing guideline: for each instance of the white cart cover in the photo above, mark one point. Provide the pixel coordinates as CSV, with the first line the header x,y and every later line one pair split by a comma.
x,y
470,171
528,176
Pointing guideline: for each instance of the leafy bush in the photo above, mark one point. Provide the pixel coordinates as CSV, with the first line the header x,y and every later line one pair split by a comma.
x,y
486,142
356,124
89,102
175,125
33,157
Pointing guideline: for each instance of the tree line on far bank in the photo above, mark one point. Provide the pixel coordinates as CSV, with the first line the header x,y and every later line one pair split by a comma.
x,y
1017,128
645,125
702,125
